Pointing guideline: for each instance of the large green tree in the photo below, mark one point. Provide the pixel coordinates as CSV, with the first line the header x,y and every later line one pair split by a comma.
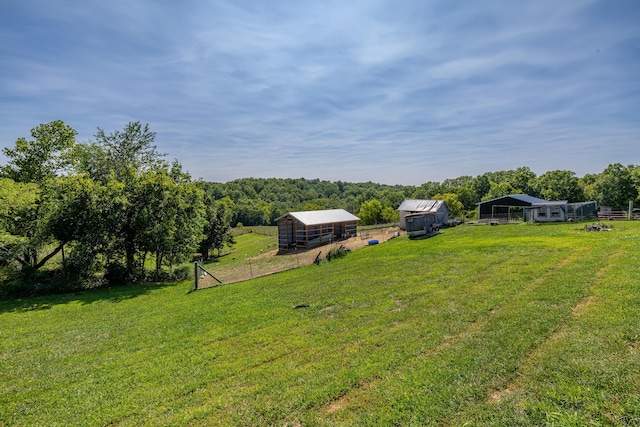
x,y
559,185
170,217
81,216
614,187
123,157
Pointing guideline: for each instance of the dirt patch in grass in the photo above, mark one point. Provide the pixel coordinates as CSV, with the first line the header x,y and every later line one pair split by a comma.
x,y
582,306
345,399
498,395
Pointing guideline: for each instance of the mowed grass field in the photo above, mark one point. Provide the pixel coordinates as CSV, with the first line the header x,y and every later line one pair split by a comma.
x,y
507,325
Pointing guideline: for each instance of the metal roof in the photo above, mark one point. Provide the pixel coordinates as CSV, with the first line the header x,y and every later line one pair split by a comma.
x,y
522,197
417,205
550,203
326,216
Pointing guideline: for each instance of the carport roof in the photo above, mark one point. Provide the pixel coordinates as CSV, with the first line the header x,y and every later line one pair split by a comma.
x,y
551,203
522,197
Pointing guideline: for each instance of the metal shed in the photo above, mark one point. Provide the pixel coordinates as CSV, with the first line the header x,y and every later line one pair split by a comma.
x,y
506,208
314,228
414,206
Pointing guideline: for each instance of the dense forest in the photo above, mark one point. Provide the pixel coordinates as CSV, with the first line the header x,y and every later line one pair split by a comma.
x,y
113,210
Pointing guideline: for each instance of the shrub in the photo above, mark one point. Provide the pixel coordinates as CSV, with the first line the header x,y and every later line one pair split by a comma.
x,y
183,273
336,252
117,274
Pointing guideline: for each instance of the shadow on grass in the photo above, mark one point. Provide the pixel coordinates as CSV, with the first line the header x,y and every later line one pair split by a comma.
x,y
114,294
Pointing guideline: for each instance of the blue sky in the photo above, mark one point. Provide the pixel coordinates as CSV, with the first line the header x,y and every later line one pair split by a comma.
x,y
396,92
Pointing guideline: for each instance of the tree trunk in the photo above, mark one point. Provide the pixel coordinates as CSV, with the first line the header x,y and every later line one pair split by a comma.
x,y
158,260
130,256
48,257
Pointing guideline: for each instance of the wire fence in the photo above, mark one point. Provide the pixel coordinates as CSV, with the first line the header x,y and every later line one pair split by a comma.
x,y
246,268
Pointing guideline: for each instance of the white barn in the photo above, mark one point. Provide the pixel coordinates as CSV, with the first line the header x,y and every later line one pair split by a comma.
x,y
314,228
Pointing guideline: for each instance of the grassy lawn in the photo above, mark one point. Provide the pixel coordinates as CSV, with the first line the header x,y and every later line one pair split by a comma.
x,y
244,259
507,325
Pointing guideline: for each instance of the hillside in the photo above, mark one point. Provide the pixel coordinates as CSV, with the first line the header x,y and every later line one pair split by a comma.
x,y
516,324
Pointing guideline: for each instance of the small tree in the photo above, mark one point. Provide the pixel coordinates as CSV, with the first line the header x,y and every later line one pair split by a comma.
x,y
390,215
455,206
217,229
371,212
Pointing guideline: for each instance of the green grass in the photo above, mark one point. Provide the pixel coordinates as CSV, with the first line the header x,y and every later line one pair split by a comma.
x,y
507,325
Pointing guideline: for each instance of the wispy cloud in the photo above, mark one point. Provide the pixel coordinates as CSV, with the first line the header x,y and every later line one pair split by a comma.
x,y
399,92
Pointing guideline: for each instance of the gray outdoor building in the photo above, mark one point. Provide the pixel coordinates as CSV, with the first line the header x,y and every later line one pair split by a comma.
x,y
414,206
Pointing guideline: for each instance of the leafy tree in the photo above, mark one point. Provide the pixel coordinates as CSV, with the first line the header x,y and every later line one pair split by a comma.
x,y
614,187
455,206
217,230
16,199
390,215
559,185
499,189
502,183
170,218
36,162
42,158
635,178
129,152
371,212
522,179
427,190
480,187
80,217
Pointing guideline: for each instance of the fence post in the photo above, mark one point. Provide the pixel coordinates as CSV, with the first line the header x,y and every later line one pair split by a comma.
x,y
195,275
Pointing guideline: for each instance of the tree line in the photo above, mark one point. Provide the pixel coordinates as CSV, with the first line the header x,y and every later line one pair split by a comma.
x,y
113,210
259,201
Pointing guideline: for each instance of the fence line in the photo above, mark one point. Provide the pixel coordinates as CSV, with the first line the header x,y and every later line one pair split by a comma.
x,y
272,262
